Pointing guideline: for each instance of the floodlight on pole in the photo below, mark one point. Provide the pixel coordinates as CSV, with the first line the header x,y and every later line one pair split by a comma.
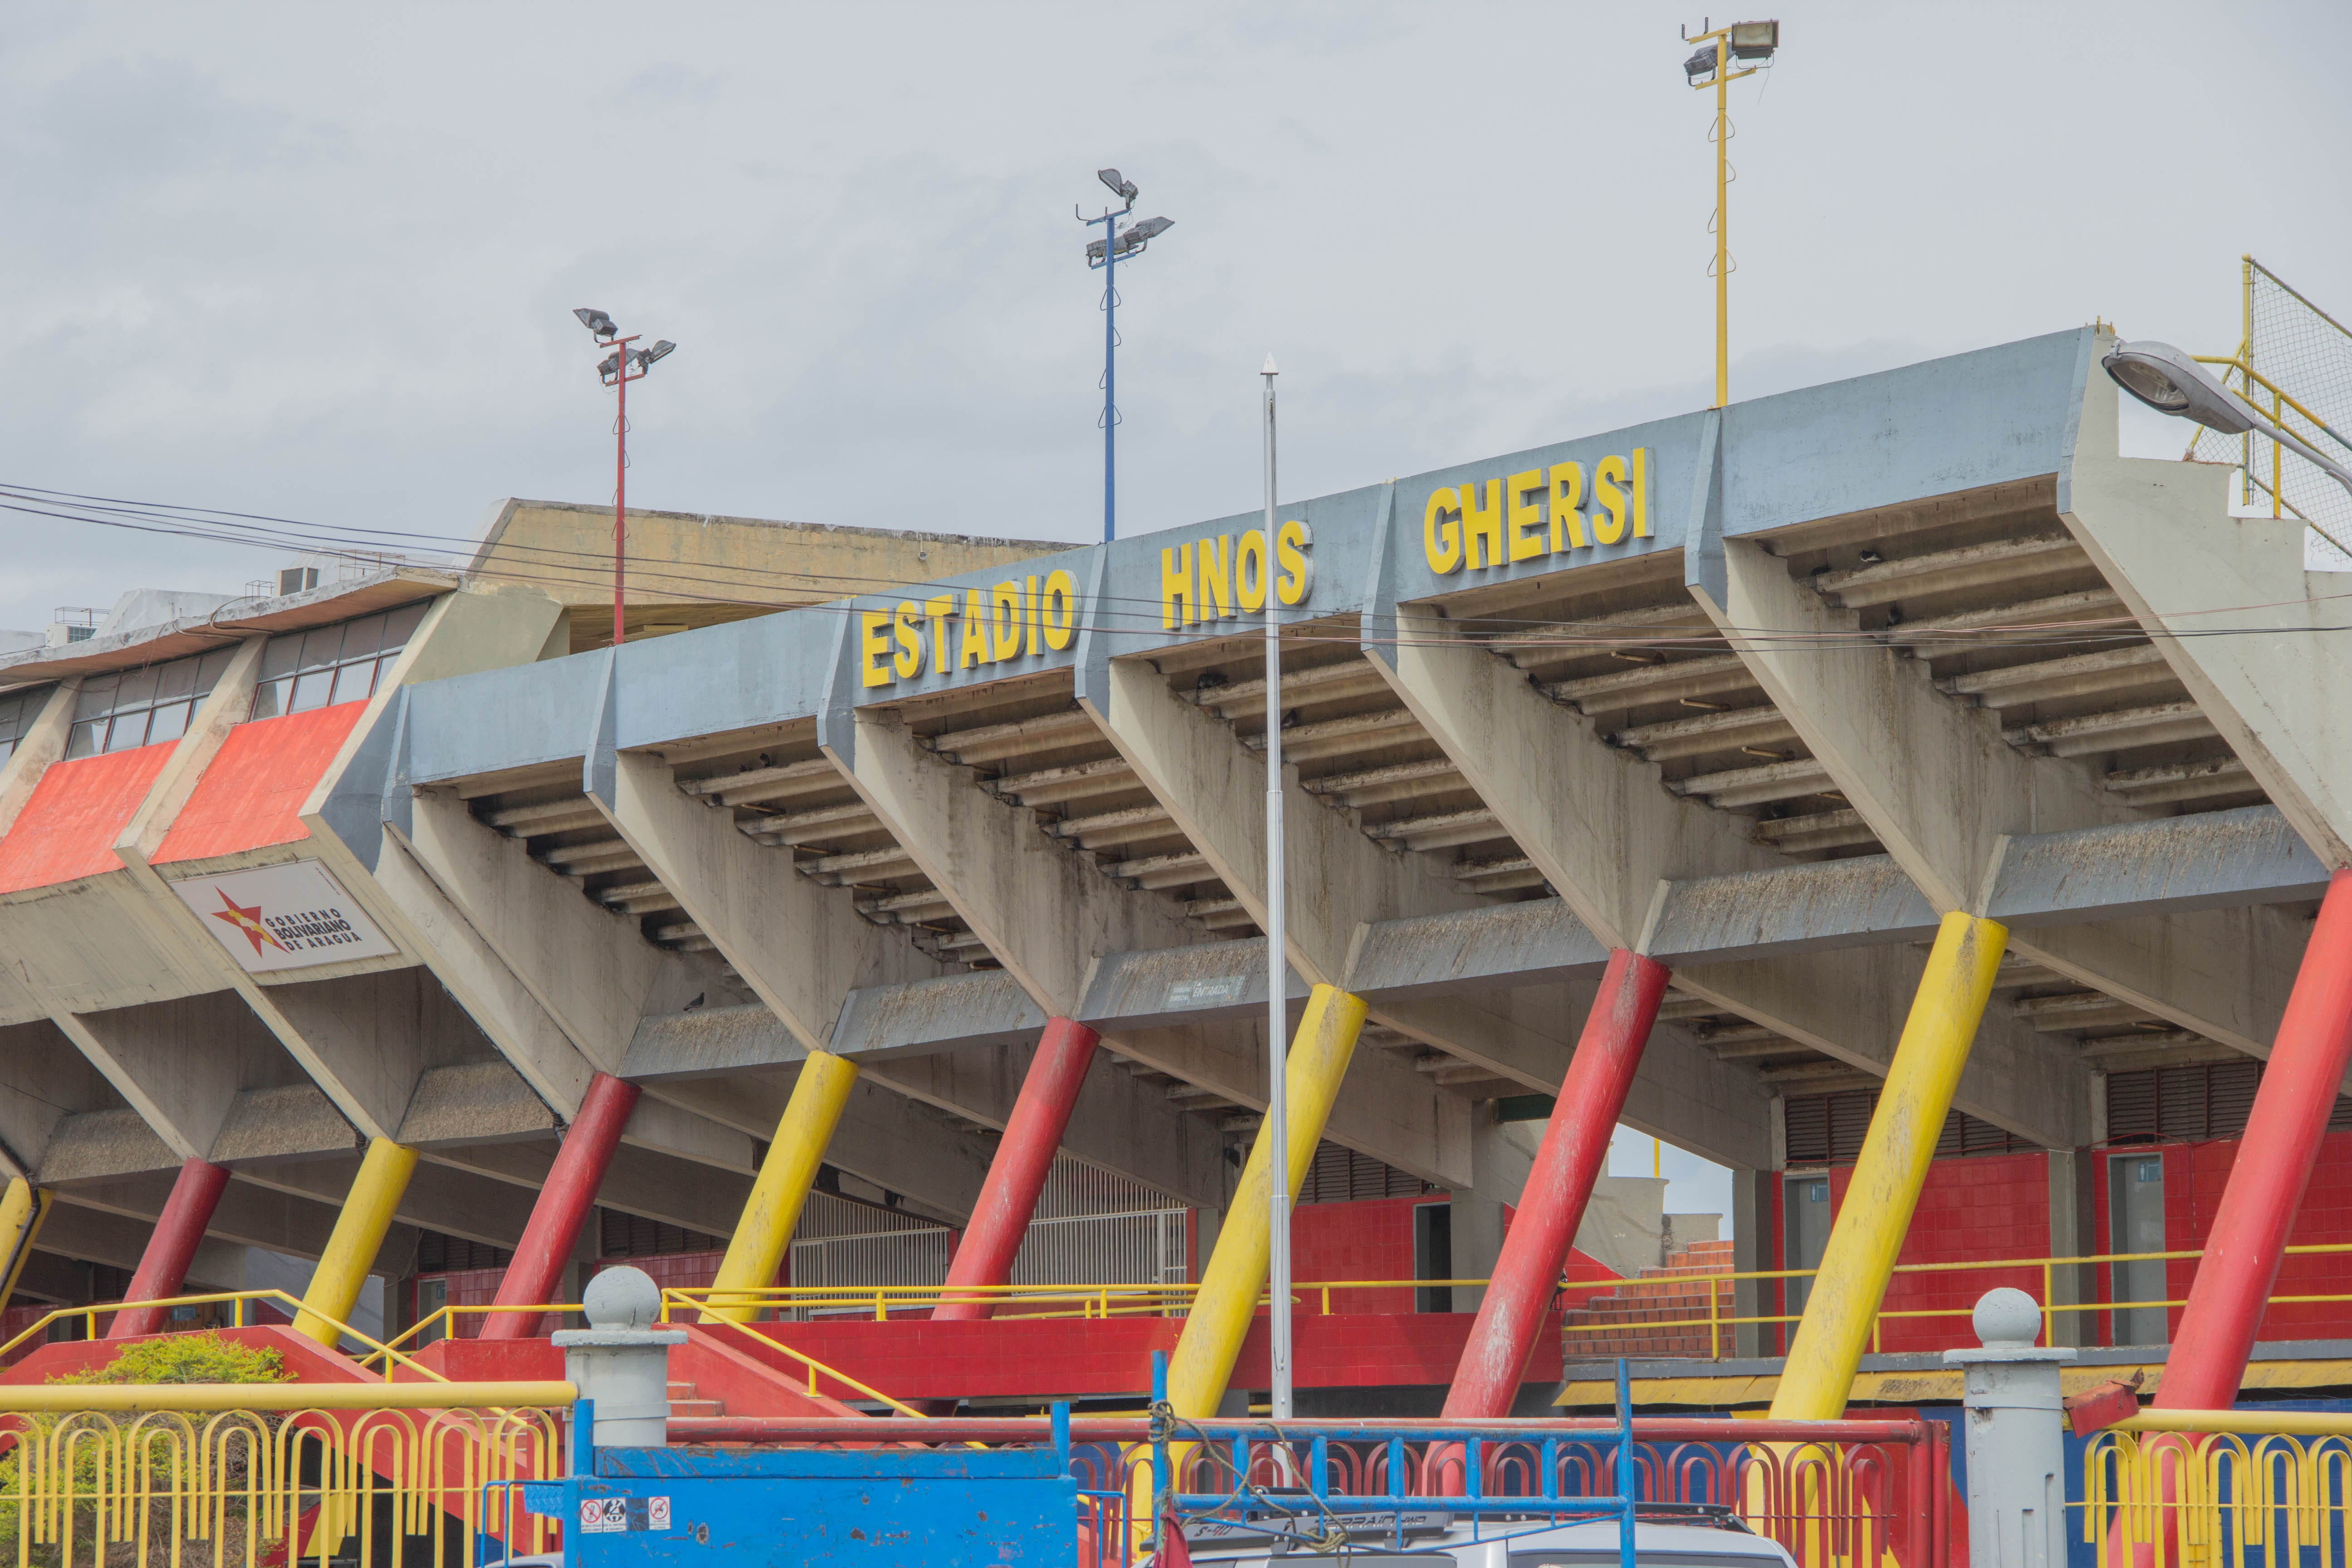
x,y
617,369
2171,381
1710,66
1104,254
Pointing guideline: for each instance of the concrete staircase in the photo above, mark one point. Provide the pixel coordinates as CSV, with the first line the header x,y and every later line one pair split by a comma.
x,y
684,1400
1622,1321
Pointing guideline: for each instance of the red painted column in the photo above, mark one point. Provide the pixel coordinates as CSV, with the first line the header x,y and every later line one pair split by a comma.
x,y
179,1231
564,1200
2248,1240
1575,1142
1009,1196
2275,1158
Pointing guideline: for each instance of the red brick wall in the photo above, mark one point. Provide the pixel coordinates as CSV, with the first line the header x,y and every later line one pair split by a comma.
x,y
1984,1207
1369,1240
2194,1177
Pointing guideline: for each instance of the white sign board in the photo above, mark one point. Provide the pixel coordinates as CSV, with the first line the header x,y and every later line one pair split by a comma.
x,y
284,917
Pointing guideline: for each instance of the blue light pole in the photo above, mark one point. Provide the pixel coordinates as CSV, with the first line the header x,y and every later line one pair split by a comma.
x,y
1103,255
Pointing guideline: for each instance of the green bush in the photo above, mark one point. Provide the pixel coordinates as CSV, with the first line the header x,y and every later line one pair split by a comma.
x,y
187,1358
180,1358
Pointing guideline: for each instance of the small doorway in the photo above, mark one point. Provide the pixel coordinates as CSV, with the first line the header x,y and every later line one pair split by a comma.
x,y
1805,1227
2136,1224
1432,1256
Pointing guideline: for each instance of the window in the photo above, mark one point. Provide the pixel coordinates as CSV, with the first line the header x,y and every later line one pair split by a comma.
x,y
18,710
327,664
135,708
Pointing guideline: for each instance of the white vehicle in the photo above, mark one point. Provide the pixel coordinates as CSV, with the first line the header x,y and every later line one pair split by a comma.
x,y
1714,1539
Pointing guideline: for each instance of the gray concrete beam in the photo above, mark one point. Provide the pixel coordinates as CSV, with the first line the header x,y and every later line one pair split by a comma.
x,y
2276,692
1944,791
1593,818
884,1138
1682,1092
182,1064
1851,1006
1118,1124
1933,779
42,1081
696,1196
295,1121
525,1033
801,948
453,1202
1214,789
1043,912
1384,1109
248,1215
590,968
85,1235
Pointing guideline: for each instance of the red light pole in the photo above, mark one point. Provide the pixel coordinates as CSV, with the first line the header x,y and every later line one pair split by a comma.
x,y
615,371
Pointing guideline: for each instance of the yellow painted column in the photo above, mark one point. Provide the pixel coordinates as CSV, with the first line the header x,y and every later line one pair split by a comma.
x,y
357,1238
1236,1274
23,1206
1879,1200
773,1210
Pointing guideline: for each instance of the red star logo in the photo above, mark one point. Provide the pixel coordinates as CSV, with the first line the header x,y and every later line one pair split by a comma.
x,y
248,922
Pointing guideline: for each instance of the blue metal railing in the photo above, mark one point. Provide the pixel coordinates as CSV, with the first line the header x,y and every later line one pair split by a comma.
x,y
1315,1504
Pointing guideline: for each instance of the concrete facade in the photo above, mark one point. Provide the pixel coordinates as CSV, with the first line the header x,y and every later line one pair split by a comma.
x,y
1785,682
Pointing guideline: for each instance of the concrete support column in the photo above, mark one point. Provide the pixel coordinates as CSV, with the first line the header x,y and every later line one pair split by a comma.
x,y
1896,1153
1575,1145
565,1201
1752,1252
773,1210
2070,1236
23,1206
1015,1176
179,1231
2273,1165
358,1236
1499,1163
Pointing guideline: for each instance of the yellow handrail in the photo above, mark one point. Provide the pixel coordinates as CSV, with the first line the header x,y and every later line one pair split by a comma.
x,y
90,1314
67,1397
448,1313
1099,1299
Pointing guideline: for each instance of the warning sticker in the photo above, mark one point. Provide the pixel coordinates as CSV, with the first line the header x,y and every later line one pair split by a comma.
x,y
619,1515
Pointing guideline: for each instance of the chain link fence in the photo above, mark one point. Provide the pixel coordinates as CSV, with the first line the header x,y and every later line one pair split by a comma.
x,y
2295,364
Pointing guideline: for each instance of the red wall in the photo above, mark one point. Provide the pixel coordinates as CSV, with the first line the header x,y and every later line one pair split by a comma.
x,y
1984,1207
2194,1177
257,781
1369,1239
67,829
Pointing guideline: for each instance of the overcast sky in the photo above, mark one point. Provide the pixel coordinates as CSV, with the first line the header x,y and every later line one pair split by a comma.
x,y
319,262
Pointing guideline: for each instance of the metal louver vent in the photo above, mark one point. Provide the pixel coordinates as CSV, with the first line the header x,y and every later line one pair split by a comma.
x,y
1829,1129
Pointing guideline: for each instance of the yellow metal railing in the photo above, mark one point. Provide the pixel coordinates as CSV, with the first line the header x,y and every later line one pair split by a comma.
x,y
2222,1488
246,1487
1104,1300
90,1314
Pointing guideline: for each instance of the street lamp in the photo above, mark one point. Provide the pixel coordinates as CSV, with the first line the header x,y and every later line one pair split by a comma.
x,y
1710,66
1105,254
2171,381
617,369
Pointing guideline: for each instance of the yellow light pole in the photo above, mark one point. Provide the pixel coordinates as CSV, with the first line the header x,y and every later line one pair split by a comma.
x,y
1710,66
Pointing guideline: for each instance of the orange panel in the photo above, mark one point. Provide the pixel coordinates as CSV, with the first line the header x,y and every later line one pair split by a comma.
x,y
78,810
257,781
